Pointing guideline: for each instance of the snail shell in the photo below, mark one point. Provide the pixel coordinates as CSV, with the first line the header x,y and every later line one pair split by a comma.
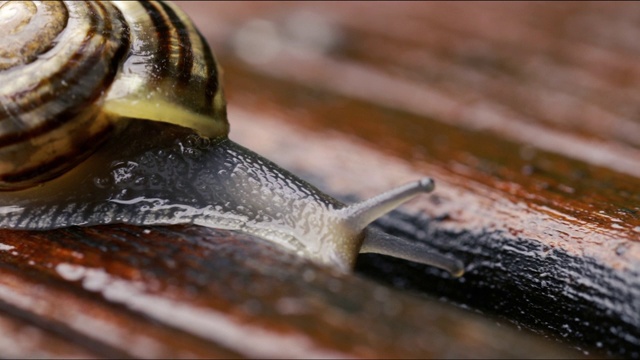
x,y
114,113
71,71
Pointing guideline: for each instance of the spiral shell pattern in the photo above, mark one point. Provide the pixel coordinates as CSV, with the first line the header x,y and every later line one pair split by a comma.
x,y
70,71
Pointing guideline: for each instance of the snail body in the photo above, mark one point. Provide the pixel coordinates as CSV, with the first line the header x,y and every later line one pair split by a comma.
x,y
121,119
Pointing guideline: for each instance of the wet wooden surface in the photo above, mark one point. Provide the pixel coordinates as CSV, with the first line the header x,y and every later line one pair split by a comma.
x,y
124,291
526,114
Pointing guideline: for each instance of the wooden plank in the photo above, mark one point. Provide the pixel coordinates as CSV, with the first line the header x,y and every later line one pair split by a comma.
x,y
526,115
193,292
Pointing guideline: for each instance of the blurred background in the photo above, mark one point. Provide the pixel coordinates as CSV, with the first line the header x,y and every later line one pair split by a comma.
x,y
478,88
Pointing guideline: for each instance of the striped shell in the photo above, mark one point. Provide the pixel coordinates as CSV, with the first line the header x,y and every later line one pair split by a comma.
x,y
70,71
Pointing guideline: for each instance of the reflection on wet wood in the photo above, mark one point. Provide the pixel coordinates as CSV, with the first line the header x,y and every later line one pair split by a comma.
x,y
124,291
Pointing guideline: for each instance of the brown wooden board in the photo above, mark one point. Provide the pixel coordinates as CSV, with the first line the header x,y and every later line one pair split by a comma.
x,y
526,115
193,292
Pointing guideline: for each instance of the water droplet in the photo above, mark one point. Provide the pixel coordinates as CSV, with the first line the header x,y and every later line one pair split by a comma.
x,y
5,247
102,182
621,249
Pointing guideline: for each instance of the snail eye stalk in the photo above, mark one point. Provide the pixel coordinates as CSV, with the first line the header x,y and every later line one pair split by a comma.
x,y
361,214
378,242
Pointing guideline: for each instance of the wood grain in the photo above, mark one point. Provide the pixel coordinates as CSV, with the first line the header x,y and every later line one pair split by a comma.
x,y
193,292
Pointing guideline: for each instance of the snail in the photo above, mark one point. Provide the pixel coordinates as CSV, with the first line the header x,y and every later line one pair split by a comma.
x,y
113,112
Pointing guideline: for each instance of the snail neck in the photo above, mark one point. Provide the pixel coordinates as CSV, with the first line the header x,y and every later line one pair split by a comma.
x,y
155,173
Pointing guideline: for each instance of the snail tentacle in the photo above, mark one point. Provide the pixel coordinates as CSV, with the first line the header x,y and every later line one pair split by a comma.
x,y
378,242
361,214
364,213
